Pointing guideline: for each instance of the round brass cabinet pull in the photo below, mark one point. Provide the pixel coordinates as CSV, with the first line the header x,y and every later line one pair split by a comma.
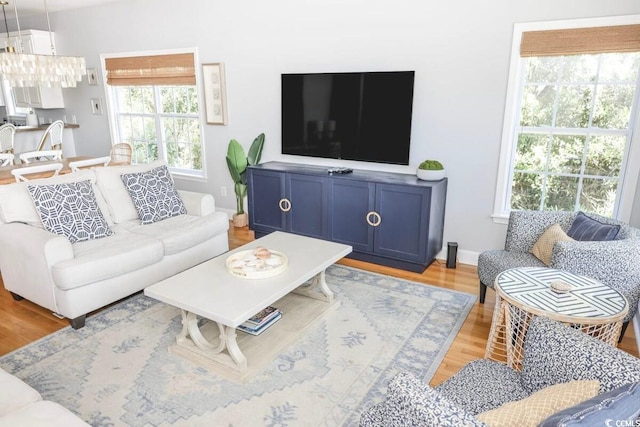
x,y
285,205
376,219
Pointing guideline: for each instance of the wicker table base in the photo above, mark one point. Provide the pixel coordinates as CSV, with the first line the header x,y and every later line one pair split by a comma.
x,y
523,293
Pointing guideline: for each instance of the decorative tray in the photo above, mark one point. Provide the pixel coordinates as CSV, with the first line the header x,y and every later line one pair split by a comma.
x,y
258,263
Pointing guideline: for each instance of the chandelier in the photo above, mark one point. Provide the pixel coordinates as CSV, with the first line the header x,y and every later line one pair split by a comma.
x,y
29,70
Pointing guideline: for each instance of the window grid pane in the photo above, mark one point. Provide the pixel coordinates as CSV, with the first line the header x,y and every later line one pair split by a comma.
x,y
160,122
575,122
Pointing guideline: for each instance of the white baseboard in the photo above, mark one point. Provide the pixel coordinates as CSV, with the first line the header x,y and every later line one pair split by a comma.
x,y
464,257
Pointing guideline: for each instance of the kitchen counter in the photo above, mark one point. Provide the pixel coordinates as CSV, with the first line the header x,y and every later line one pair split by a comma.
x,y
43,127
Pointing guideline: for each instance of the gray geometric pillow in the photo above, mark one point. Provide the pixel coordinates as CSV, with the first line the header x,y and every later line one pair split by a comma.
x,y
70,210
154,195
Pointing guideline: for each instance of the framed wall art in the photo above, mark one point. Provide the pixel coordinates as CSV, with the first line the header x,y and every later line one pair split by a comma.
x,y
215,96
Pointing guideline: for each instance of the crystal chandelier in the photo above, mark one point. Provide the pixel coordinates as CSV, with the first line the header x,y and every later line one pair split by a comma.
x,y
29,70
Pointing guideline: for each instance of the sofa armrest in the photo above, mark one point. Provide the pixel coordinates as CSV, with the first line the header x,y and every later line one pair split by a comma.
x,y
198,204
410,402
615,263
556,353
26,256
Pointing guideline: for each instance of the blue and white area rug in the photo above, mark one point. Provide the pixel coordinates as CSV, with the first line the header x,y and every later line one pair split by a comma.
x,y
116,371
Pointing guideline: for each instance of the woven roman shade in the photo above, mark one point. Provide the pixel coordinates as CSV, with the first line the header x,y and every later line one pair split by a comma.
x,y
579,41
175,69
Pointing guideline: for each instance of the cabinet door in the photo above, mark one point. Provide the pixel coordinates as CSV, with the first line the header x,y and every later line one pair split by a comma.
x,y
351,201
308,196
404,221
266,190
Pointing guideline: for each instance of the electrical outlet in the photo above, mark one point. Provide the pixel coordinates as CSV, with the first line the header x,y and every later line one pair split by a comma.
x,y
223,191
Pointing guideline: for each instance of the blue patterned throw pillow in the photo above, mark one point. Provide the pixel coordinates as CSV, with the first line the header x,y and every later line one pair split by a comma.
x,y
154,195
70,210
585,228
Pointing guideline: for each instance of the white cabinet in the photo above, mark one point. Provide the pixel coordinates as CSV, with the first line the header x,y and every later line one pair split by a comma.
x,y
35,41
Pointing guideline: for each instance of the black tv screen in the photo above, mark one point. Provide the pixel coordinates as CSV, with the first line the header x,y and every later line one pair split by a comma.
x,y
351,116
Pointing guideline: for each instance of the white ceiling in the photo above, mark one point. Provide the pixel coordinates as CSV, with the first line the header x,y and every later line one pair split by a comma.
x,y
29,7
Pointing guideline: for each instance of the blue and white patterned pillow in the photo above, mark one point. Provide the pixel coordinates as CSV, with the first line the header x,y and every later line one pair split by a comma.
x,y
70,210
154,195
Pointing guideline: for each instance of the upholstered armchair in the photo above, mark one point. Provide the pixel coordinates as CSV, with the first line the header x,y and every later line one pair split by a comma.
x,y
615,263
554,354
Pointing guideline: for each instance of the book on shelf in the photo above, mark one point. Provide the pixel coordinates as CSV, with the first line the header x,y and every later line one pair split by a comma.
x,y
261,317
257,330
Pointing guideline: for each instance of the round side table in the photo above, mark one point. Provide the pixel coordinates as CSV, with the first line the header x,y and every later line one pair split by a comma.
x,y
581,302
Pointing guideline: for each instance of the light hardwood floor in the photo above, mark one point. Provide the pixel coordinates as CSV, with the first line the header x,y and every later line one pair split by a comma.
x,y
22,322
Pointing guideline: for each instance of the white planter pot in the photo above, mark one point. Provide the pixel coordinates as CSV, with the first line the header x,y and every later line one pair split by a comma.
x,y
430,175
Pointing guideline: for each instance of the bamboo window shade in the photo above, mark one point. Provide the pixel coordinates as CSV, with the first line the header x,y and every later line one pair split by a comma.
x,y
579,41
174,69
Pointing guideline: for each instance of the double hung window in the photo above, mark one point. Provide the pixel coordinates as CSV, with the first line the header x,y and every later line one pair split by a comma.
x,y
156,109
571,112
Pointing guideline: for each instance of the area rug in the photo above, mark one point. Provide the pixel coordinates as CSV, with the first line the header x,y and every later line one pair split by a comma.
x,y
116,371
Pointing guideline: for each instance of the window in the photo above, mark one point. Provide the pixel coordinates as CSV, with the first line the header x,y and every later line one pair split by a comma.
x,y
156,109
569,125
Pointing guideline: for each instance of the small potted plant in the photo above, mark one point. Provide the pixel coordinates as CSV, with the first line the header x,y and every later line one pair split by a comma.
x,y
237,163
430,170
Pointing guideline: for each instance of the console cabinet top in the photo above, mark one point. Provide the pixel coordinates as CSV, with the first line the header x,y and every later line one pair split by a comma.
x,y
357,174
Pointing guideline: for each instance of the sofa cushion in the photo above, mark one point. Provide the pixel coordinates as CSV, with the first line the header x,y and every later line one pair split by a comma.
x,y
101,259
110,183
16,204
42,414
15,393
184,231
543,249
621,404
468,388
585,228
529,412
493,262
154,195
71,210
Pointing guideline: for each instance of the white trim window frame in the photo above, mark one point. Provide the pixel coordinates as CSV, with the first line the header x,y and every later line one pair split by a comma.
x,y
511,125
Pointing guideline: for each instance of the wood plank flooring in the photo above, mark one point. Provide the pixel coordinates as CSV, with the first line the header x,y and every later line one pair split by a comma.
x,y
22,322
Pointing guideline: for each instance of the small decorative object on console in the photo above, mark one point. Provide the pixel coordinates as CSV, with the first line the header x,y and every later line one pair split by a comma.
x,y
258,263
430,170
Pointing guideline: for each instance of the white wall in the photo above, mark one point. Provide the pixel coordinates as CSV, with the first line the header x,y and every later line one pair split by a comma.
x,y
459,50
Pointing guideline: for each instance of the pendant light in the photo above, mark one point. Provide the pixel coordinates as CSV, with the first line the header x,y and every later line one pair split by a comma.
x,y
22,69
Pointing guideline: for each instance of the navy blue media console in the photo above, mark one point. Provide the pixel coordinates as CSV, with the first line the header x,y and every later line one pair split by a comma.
x,y
388,218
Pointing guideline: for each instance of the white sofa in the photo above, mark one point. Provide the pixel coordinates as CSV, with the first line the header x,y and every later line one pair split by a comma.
x,y
74,279
21,405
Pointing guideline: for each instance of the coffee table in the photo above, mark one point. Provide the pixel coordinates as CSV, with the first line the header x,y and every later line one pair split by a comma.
x,y
521,293
210,292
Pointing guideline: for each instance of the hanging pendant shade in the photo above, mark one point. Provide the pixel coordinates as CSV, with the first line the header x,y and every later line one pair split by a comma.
x,y
29,70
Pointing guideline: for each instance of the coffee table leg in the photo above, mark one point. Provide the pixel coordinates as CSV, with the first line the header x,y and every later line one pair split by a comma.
x,y
226,339
318,288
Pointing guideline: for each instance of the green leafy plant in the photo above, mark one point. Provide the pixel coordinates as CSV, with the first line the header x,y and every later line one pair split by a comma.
x,y
431,165
238,163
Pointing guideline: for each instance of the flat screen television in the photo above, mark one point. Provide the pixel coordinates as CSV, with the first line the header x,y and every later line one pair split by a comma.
x,y
351,116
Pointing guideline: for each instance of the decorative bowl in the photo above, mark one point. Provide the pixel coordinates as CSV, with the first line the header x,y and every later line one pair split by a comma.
x,y
247,265
430,175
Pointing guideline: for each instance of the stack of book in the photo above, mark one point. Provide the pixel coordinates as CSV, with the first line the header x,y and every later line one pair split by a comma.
x,y
261,321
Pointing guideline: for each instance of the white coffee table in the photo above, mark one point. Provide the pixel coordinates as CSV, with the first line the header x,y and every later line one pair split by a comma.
x,y
209,291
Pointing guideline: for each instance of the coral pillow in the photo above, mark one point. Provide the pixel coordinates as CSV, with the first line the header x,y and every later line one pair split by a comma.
x,y
543,249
